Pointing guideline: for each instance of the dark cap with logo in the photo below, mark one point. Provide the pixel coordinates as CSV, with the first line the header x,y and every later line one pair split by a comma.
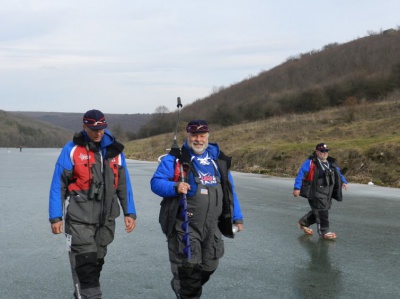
x,y
197,126
95,120
322,147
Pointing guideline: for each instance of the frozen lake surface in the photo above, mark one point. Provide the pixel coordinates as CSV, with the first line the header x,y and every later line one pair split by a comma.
x,y
270,259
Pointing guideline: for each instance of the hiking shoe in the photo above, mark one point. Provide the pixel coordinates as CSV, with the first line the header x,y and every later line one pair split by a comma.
x,y
330,236
305,229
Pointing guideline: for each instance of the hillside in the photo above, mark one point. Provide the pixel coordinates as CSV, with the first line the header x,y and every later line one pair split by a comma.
x,y
22,131
363,70
124,126
364,138
366,69
54,129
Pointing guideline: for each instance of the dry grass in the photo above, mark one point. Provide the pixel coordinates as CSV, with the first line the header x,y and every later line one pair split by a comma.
x,y
364,138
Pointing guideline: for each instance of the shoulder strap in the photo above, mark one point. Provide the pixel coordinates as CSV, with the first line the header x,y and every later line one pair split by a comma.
x,y
226,158
225,220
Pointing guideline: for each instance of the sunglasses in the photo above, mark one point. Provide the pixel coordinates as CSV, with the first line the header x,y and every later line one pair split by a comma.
x,y
197,128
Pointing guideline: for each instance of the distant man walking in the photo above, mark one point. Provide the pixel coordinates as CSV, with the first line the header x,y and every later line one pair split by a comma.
x,y
90,177
319,180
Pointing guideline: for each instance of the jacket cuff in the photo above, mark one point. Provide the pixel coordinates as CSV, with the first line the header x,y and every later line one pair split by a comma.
x,y
55,220
238,221
130,215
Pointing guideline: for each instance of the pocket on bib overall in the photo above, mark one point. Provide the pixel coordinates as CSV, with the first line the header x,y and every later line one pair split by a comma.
x,y
216,248
81,209
105,234
305,190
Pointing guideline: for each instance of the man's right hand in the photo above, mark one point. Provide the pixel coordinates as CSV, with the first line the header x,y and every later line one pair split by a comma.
x,y
57,228
183,188
296,193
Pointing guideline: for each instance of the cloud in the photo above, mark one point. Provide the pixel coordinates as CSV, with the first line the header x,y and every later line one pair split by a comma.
x,y
137,55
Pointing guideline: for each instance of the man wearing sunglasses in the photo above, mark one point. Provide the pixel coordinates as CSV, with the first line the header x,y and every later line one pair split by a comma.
x,y
90,182
319,180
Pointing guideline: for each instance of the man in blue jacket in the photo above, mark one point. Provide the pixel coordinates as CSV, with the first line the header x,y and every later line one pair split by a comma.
x,y
90,182
199,174
319,180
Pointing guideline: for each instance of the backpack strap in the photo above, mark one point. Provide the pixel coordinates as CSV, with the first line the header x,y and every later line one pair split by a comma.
x,y
225,220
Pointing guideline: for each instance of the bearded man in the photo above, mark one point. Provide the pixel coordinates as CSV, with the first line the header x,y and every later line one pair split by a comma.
x,y
197,175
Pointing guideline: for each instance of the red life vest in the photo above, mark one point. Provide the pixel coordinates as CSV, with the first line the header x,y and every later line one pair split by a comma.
x,y
83,160
310,175
177,171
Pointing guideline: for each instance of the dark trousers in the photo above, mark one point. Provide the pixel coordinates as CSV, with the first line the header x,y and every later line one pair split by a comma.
x,y
320,217
88,249
206,244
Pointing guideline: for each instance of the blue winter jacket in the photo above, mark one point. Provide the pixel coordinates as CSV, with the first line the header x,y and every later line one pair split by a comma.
x,y
163,185
64,168
305,169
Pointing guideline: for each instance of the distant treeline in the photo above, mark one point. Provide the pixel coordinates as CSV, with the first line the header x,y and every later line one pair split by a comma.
x,y
123,126
24,132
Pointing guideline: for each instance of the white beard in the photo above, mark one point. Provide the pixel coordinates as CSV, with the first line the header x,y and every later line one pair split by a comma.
x,y
196,150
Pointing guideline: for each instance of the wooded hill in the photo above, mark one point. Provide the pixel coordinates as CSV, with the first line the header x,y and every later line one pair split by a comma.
x,y
54,129
123,126
364,70
22,131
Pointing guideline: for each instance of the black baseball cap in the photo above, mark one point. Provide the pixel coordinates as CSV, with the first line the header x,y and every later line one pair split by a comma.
x,y
197,126
95,120
322,147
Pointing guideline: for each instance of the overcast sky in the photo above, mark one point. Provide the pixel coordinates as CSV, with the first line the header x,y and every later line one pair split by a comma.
x,y
132,56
